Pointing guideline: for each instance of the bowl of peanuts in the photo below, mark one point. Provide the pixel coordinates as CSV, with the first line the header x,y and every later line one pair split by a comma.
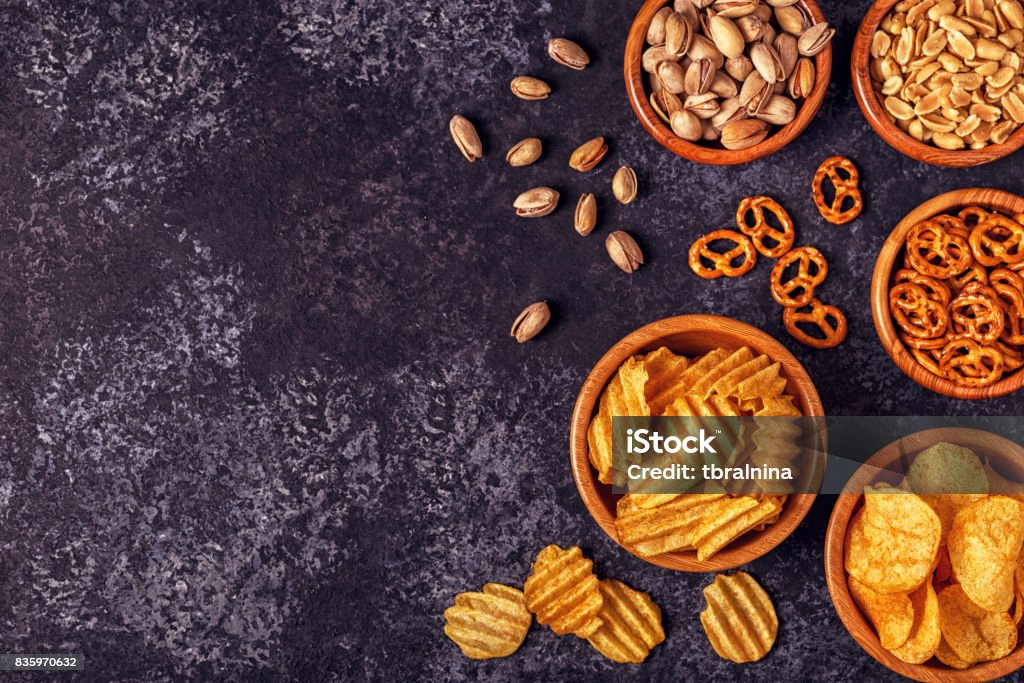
x,y
942,81
947,294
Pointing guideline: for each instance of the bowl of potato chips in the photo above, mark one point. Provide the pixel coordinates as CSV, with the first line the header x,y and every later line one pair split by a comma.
x,y
923,555
691,365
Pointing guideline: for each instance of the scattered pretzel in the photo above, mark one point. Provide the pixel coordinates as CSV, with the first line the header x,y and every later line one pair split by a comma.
x,y
812,268
701,251
998,240
967,362
818,316
782,238
845,188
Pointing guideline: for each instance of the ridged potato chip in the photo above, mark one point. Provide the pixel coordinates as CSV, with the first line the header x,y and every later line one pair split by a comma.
x,y
945,468
633,374
563,591
668,527
892,543
727,383
892,614
491,623
974,634
664,371
599,434
739,619
984,545
781,406
767,383
925,634
715,534
631,624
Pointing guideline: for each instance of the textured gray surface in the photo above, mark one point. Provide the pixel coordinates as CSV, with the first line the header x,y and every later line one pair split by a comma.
x,y
263,418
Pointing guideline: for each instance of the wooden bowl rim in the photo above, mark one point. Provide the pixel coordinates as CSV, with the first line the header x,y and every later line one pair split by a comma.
x,y
639,98
882,275
835,571
745,549
873,111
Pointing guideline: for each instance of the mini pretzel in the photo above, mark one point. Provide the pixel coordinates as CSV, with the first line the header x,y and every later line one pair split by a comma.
x,y
953,225
700,251
937,289
845,188
922,344
916,312
783,239
818,316
978,314
1005,276
967,362
998,240
803,282
1013,359
1012,301
972,215
933,251
974,273
929,361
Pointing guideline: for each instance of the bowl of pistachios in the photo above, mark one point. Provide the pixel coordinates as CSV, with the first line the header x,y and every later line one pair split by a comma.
x,y
942,81
727,81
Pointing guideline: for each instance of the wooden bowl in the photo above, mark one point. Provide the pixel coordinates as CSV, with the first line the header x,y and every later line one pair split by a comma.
x,y
886,465
875,114
882,276
690,335
639,97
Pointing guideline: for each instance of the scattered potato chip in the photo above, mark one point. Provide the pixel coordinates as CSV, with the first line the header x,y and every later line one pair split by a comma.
x,y
664,370
563,591
739,619
945,468
631,624
491,623
714,534
892,614
974,634
925,634
665,528
893,541
984,544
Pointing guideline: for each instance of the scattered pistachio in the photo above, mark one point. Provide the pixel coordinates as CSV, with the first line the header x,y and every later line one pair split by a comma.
x,y
567,53
624,251
524,152
540,201
624,185
585,217
588,155
530,88
531,321
466,138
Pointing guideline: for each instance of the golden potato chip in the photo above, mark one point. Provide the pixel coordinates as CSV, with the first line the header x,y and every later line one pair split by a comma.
x,y
782,406
715,534
727,383
974,634
945,654
1000,485
945,468
739,619
984,544
633,375
491,623
664,374
893,541
925,634
599,434
702,366
943,568
702,385
563,591
1018,582
946,505
631,624
892,614
691,405
646,501
667,527
767,383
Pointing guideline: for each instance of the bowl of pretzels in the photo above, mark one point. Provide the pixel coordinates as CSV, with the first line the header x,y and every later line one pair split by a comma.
x,y
947,294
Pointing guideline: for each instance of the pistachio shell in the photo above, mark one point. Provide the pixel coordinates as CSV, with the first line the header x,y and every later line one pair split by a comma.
x,y
531,321
567,53
466,138
624,251
530,88
624,185
585,216
524,152
686,125
537,202
588,155
744,133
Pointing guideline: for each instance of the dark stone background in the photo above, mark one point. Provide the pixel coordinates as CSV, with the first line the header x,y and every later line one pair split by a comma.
x,y
263,416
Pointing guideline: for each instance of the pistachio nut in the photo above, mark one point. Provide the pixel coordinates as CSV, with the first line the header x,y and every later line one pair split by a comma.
x,y
655,55
686,125
790,18
665,104
801,82
531,321
743,133
734,9
755,93
624,251
767,63
672,77
702,47
588,155
656,31
778,111
540,201
585,216
708,132
699,75
739,68
786,48
567,53
678,34
530,88
723,85
624,185
726,36
524,152
466,138
751,28
815,39
702,106
729,111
